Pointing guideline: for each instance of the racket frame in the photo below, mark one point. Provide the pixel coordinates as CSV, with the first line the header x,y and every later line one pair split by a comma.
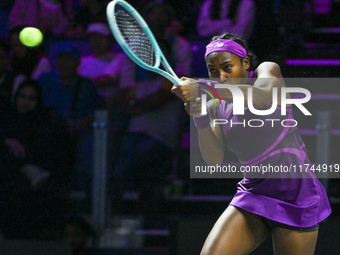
x,y
159,56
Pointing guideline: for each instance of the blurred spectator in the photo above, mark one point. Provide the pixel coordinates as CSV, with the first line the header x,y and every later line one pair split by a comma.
x,y
76,98
73,96
145,157
91,11
159,19
113,73
26,62
110,71
221,16
52,17
6,77
33,135
185,16
34,161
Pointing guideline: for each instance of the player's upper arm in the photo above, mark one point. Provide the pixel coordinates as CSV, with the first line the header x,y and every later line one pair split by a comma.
x,y
268,70
268,76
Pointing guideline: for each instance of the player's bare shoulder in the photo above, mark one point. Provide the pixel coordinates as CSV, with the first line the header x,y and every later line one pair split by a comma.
x,y
268,70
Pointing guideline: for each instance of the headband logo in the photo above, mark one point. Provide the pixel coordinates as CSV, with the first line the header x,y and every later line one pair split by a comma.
x,y
219,45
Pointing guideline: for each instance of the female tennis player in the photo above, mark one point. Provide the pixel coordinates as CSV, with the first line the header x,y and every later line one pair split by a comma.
x,y
287,205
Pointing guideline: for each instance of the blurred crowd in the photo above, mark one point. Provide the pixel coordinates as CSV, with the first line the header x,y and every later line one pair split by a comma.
x,y
49,95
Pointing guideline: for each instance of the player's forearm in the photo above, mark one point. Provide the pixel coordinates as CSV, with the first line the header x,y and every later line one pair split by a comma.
x,y
211,149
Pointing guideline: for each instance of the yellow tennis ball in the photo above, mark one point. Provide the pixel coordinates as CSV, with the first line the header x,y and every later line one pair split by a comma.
x,y
30,36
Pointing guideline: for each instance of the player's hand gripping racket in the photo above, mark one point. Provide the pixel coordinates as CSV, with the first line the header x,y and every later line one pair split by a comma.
x,y
136,39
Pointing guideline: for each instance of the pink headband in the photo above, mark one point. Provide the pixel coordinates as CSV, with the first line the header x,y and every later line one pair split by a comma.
x,y
225,45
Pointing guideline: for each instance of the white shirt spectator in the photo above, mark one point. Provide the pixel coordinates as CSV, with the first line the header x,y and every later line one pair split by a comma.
x,y
117,66
104,63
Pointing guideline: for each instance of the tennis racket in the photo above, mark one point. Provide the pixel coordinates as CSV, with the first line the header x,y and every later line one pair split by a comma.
x,y
136,39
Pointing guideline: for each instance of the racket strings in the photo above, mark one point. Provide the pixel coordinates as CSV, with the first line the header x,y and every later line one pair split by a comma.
x,y
135,36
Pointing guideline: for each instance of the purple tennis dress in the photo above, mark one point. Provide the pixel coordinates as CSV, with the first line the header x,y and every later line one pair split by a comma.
x,y
295,197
